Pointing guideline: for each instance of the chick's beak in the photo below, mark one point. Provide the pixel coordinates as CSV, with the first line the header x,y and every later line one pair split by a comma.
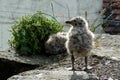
x,y
68,22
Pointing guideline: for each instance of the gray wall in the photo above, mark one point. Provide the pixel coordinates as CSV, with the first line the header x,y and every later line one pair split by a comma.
x,y
10,10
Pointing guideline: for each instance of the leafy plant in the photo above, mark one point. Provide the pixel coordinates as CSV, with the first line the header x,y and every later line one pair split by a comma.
x,y
30,32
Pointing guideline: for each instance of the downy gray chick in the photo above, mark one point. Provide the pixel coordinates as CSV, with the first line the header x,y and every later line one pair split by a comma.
x,y
79,39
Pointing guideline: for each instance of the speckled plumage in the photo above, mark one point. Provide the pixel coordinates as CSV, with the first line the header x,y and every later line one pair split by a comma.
x,y
79,38
55,44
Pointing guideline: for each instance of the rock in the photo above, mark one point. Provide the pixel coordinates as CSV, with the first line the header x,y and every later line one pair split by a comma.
x,y
54,75
32,60
9,68
56,44
11,64
107,46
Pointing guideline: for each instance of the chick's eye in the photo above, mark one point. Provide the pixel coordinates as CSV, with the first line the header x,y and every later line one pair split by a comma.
x,y
74,20
80,23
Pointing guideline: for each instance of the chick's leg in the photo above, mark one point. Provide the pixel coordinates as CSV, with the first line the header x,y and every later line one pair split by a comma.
x,y
86,63
73,60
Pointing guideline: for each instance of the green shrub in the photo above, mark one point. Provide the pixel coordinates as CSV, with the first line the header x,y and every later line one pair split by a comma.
x,y
29,33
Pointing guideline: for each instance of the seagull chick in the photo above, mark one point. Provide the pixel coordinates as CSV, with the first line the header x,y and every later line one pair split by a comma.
x,y
79,39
